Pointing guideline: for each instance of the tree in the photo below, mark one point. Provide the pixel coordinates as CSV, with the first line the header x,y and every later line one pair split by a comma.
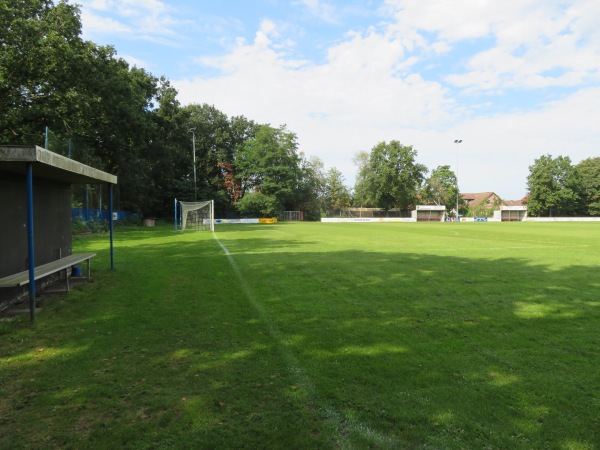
x,y
555,187
50,77
257,204
241,130
268,164
231,184
441,188
40,60
363,194
589,170
212,130
308,193
391,177
336,195
168,154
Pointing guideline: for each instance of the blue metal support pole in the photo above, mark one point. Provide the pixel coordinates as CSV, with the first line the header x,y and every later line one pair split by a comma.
x,y
175,218
30,240
110,202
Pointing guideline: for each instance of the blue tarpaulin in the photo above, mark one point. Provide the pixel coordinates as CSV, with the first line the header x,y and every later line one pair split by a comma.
x,y
101,214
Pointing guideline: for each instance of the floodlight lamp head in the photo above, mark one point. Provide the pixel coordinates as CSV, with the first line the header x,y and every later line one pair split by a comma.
x,y
457,141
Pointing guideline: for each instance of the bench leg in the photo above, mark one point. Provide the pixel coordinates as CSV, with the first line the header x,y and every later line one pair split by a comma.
x,y
67,277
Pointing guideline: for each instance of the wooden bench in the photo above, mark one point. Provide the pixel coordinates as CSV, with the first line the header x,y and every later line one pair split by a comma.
x,y
22,278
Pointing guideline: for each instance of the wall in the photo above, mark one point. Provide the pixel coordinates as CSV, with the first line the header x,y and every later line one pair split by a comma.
x,y
52,222
563,219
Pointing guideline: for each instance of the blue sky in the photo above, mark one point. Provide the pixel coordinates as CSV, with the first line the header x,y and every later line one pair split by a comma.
x,y
515,79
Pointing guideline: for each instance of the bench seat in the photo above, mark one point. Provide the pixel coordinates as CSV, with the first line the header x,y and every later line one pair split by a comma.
x,y
22,278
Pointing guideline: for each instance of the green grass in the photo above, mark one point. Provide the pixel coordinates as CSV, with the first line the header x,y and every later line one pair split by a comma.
x,y
314,335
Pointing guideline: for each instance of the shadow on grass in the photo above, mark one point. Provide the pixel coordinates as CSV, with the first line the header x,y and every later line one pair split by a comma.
x,y
333,348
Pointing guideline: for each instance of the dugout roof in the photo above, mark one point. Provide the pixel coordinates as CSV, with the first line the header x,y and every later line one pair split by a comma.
x,y
50,166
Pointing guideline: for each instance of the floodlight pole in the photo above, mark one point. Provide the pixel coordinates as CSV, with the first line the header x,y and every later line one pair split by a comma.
x,y
192,130
457,141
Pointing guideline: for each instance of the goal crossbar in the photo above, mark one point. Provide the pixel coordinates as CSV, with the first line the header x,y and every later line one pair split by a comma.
x,y
195,215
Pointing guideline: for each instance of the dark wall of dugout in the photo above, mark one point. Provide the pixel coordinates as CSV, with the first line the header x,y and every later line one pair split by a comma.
x,y
51,224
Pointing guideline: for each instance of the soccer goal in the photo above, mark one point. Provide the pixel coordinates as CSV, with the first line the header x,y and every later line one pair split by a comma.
x,y
292,215
199,216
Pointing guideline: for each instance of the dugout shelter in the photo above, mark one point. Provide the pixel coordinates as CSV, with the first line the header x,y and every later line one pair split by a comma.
x,y
429,213
511,213
35,199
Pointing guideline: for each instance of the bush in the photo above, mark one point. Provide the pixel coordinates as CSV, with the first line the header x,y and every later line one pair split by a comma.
x,y
97,225
78,225
257,204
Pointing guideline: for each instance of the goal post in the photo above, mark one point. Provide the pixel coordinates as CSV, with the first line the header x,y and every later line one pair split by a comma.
x,y
199,216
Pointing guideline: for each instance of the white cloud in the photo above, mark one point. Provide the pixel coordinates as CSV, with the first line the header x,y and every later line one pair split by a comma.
x,y
134,61
416,75
497,150
532,40
367,91
346,105
142,19
94,23
324,11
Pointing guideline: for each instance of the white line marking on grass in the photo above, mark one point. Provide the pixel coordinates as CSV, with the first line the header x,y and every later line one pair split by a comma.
x,y
343,426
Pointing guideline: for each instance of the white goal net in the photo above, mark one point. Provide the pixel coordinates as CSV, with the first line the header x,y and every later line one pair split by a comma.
x,y
198,215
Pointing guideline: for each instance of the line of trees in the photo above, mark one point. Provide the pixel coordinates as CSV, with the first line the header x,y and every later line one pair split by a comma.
x,y
557,187
389,177
126,121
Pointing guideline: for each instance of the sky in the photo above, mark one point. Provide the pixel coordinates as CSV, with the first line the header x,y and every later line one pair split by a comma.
x,y
513,80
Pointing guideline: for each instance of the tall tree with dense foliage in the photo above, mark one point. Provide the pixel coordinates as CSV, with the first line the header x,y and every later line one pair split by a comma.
x,y
41,59
169,154
391,177
589,170
50,77
124,120
210,129
122,128
308,194
441,188
336,195
363,194
268,169
554,187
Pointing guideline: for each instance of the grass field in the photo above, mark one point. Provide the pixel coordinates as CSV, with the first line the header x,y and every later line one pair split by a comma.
x,y
309,335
